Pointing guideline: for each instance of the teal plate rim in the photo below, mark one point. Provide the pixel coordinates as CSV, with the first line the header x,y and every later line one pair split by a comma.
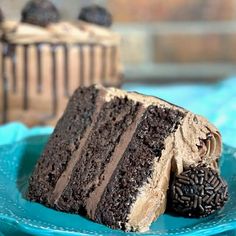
x,y
16,163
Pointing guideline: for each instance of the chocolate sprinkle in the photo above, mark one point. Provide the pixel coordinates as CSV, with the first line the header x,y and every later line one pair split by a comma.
x,y
40,12
96,15
197,192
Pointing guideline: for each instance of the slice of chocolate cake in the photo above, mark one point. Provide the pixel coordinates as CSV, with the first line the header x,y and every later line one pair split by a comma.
x,y
111,155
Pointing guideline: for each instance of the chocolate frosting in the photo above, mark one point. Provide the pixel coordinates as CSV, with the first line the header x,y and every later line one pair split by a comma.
x,y
95,196
61,32
195,141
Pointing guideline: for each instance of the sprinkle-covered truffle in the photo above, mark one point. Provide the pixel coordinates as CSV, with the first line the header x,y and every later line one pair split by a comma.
x,y
197,192
96,15
40,12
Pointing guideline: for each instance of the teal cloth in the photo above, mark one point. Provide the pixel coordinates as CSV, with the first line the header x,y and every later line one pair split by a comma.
x,y
216,102
15,131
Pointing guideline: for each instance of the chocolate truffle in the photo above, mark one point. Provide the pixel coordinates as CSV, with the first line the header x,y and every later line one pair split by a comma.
x,y
197,192
96,15
40,12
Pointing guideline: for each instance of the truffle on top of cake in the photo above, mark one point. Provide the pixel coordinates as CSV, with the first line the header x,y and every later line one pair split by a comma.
x,y
40,12
97,15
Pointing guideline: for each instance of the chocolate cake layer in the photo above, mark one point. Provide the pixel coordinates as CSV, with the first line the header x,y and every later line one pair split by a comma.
x,y
64,141
114,118
136,165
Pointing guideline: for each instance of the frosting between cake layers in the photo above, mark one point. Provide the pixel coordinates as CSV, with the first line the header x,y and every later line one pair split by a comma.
x,y
95,197
62,32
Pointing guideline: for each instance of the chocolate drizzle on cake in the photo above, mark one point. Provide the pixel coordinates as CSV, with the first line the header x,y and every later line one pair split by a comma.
x,y
81,65
54,80
1,16
13,65
5,83
113,59
92,48
10,52
66,71
39,68
26,79
42,82
104,68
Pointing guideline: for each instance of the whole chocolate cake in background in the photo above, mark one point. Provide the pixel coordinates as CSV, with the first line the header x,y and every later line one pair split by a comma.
x,y
113,152
44,59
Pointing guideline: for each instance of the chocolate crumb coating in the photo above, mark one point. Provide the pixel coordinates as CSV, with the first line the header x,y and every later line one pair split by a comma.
x,y
40,12
97,15
197,192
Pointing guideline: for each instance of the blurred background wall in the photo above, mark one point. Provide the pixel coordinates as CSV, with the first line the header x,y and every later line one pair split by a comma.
x,y
166,40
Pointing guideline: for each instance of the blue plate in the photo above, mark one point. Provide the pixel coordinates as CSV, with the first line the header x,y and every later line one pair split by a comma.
x,y
16,164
